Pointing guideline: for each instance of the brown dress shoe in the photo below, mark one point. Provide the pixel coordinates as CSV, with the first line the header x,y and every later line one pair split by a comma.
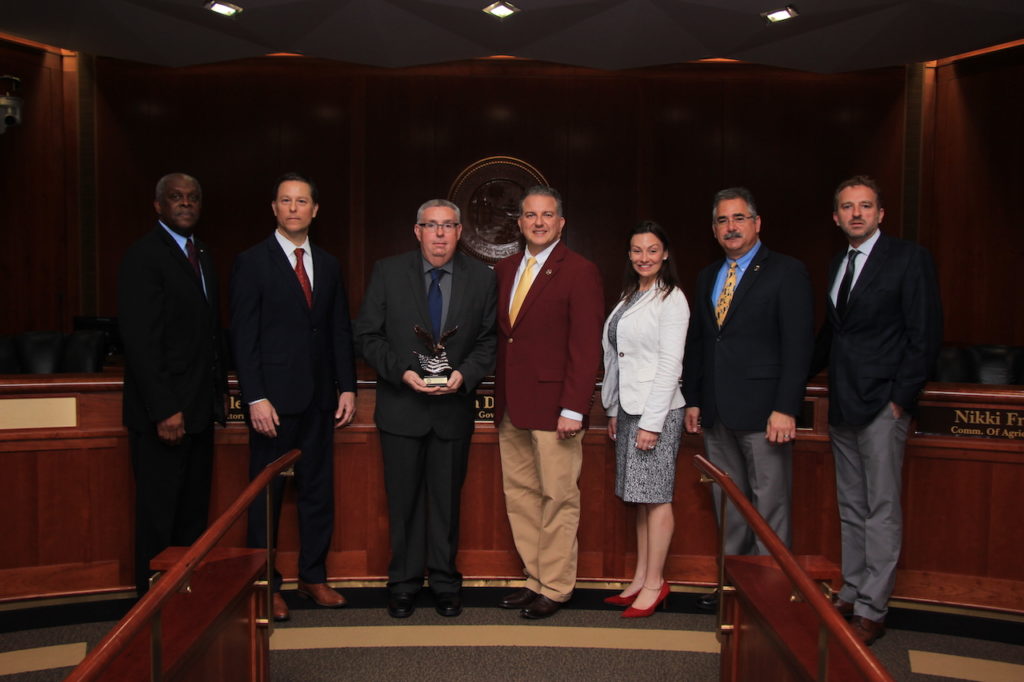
x,y
278,608
541,607
519,599
321,594
868,630
844,608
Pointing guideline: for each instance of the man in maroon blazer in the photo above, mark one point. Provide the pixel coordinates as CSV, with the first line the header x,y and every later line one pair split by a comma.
x,y
550,314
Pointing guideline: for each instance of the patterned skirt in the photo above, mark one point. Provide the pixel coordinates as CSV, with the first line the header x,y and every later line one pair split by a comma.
x,y
646,476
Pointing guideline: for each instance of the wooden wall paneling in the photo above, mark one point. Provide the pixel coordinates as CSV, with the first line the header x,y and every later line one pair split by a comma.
x,y
1005,535
978,138
37,243
951,495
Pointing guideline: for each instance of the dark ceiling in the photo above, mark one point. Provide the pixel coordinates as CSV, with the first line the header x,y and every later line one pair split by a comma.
x,y
829,35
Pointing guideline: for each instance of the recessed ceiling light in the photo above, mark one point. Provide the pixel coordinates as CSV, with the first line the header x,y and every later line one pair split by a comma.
x,y
225,8
501,10
777,15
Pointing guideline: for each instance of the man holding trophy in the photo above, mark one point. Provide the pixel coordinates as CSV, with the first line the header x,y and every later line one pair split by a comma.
x,y
427,326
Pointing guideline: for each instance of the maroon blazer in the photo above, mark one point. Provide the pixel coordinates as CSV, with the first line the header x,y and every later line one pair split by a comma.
x,y
549,360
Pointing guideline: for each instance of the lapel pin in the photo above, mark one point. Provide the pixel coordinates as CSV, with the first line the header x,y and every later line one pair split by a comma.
x,y
547,272
756,268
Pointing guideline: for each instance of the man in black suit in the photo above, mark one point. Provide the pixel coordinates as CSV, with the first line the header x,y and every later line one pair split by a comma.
x,y
293,349
748,348
881,337
174,382
425,430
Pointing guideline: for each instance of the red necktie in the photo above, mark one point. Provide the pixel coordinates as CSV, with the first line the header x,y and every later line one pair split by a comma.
x,y
193,258
300,272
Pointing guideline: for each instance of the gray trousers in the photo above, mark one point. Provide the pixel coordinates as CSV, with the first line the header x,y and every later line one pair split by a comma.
x,y
763,471
869,464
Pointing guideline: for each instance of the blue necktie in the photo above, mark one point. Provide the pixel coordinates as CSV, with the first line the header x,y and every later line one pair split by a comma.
x,y
434,301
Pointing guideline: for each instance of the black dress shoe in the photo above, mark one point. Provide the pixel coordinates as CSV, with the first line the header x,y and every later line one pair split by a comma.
x,y
401,604
541,607
709,602
519,599
448,604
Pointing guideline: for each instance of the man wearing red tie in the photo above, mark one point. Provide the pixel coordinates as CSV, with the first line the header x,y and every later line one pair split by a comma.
x,y
292,339
550,315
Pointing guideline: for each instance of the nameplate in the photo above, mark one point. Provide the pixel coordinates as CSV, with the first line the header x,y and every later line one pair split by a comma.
x,y
483,406
235,412
38,413
971,422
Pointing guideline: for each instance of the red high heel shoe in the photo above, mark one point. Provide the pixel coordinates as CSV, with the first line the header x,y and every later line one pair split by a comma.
x,y
632,612
619,600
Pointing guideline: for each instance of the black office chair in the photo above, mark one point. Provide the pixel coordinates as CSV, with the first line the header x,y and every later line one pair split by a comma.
x,y
39,352
9,363
953,366
994,364
84,351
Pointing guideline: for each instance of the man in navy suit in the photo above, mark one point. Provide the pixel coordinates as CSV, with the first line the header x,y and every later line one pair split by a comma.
x,y
425,430
748,348
293,349
881,337
174,381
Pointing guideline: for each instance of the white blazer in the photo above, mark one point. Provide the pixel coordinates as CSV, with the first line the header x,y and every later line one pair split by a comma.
x,y
644,374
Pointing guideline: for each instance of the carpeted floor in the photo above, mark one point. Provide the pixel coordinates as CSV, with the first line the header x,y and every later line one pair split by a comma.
x,y
586,641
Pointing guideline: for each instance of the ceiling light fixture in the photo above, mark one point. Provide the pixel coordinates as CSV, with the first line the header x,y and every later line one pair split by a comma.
x,y
225,8
501,10
776,15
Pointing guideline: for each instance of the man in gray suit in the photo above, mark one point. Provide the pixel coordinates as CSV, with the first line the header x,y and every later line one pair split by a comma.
x,y
440,296
747,352
881,337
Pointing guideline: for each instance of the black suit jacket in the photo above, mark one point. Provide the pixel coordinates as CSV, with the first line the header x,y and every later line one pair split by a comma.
x,y
171,334
886,345
757,362
395,301
296,356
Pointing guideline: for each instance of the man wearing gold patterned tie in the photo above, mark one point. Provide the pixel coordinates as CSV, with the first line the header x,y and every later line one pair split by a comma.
x,y
747,352
550,315
293,346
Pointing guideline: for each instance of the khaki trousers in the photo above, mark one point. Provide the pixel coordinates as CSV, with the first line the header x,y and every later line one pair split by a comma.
x,y
540,476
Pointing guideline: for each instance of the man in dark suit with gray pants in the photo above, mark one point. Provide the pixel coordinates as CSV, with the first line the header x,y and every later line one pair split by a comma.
x,y
748,348
880,340
174,381
296,366
425,430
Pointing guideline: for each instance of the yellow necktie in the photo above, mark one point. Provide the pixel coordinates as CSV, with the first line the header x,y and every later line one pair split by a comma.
x,y
725,298
524,288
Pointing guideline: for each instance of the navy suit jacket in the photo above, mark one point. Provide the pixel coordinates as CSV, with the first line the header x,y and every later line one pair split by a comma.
x,y
395,301
297,357
757,362
886,345
171,334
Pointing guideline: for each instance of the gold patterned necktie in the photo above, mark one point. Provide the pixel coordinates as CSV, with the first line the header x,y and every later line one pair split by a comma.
x,y
524,288
725,298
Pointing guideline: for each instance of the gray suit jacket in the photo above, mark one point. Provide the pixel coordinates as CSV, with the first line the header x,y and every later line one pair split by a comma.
x,y
395,302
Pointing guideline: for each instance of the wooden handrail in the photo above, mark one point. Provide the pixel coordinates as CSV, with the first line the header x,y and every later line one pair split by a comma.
x,y
838,630
170,582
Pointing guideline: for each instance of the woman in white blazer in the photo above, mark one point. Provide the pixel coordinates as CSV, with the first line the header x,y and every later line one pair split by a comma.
x,y
643,361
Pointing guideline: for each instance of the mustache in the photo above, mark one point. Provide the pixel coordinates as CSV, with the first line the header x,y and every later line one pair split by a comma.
x,y
732,234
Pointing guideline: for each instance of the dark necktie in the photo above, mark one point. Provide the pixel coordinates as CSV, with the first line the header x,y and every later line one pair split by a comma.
x,y
300,272
193,258
435,301
847,283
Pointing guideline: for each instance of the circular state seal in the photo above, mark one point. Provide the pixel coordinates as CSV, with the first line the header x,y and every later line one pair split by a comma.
x,y
488,193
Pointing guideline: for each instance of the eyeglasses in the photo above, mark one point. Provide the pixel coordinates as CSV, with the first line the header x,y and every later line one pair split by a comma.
x,y
447,227
739,219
